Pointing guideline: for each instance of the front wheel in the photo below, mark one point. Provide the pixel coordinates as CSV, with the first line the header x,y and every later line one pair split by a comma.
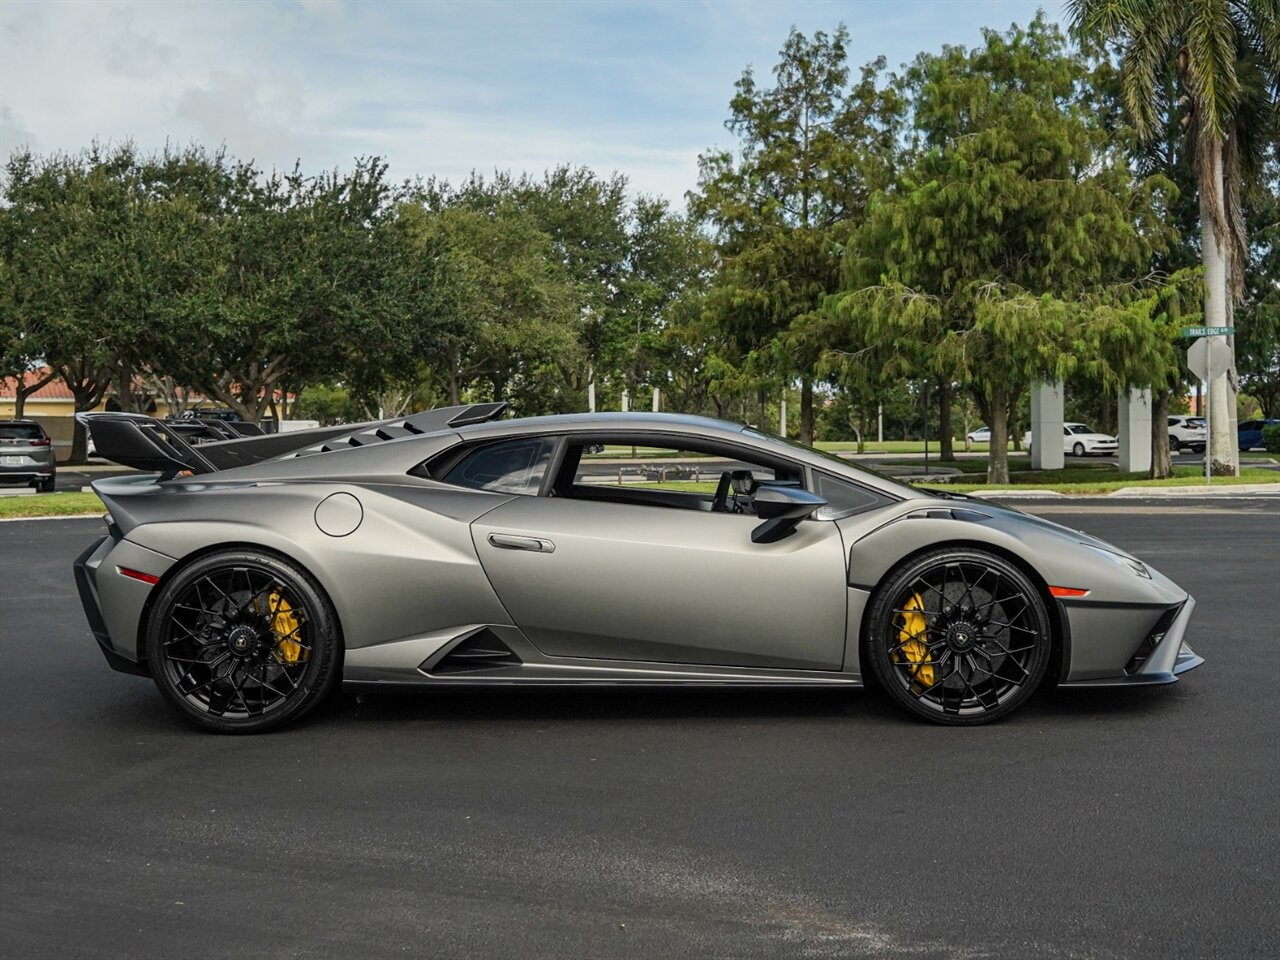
x,y
243,641
1078,450
958,636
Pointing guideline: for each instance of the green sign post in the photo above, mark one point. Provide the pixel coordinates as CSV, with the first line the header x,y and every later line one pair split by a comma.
x,y
1208,331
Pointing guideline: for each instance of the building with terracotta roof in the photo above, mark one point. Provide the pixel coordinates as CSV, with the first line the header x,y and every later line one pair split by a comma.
x,y
53,406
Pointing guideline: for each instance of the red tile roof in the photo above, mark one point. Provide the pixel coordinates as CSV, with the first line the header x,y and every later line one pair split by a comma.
x,y
55,389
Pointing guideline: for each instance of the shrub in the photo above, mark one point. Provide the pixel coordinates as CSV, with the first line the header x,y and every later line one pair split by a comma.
x,y
1271,438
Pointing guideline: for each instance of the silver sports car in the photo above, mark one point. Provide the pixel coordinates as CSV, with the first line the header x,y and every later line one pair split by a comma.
x,y
247,576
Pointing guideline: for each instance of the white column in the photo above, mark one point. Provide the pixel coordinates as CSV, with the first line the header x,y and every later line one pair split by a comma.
x,y
626,401
782,418
1046,425
657,400
879,423
591,396
1135,430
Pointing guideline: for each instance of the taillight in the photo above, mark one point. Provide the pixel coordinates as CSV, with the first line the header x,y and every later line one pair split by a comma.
x,y
42,442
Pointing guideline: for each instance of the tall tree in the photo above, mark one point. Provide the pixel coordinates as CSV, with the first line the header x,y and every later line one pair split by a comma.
x,y
810,153
22,344
1012,242
1258,346
493,308
293,285
1227,56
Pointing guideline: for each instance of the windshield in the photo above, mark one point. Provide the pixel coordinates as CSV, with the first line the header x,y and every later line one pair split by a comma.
x,y
1080,428
20,431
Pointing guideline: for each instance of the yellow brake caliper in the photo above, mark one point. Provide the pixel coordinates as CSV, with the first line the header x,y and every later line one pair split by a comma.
x,y
285,625
914,627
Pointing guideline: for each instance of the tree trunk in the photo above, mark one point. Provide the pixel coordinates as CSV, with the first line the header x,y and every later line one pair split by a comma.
x,y
1161,462
1108,415
1213,250
998,458
22,390
1231,377
453,381
124,389
806,410
945,438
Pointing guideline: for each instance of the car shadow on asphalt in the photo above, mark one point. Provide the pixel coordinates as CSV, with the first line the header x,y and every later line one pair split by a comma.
x,y
627,704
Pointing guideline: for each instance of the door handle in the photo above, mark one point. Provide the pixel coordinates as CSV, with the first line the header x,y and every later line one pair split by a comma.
x,y
509,541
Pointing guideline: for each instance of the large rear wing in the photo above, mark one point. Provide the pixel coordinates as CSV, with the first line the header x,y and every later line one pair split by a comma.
x,y
145,443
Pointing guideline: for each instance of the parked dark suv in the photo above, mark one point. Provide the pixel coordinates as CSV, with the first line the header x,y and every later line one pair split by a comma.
x,y
26,455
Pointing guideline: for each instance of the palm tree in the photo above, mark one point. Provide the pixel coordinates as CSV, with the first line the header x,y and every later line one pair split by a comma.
x,y
1227,57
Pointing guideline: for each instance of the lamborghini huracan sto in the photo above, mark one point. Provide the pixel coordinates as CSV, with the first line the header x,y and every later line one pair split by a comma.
x,y
248,576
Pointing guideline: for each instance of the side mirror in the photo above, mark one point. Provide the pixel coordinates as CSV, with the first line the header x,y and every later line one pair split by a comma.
x,y
781,509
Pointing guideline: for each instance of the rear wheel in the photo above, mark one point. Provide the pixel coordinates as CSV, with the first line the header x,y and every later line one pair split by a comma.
x,y
47,485
958,636
1174,445
243,641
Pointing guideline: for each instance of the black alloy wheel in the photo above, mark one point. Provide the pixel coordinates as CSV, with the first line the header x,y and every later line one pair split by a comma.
x,y
959,636
242,641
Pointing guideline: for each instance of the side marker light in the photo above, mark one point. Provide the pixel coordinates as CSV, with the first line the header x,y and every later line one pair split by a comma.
x,y
139,575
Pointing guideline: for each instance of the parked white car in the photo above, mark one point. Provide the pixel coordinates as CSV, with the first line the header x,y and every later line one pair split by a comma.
x,y
1187,432
980,435
1080,440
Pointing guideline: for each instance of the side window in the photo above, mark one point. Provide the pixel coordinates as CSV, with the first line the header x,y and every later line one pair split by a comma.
x,y
516,466
843,498
639,472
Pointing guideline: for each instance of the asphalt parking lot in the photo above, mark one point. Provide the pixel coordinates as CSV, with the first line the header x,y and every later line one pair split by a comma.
x,y
642,823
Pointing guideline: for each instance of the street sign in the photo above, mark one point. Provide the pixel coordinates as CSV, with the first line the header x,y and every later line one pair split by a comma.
x,y
1209,358
1208,331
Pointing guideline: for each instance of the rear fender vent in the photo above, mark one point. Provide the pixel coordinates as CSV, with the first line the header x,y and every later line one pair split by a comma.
x,y
477,653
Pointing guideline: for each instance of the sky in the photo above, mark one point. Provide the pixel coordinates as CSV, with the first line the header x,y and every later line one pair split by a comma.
x,y
437,89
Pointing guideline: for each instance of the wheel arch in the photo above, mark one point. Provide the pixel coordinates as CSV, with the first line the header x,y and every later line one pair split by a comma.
x,y
1060,648
186,560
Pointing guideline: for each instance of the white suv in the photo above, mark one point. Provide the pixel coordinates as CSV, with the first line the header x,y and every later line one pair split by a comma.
x,y
1186,432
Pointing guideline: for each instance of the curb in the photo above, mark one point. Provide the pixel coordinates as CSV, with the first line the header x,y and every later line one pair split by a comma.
x,y
1017,494
1204,490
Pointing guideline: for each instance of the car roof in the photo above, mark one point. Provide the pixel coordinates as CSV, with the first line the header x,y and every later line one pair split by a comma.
x,y
679,423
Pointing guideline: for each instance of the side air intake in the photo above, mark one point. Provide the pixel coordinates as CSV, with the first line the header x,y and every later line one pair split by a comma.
x,y
479,652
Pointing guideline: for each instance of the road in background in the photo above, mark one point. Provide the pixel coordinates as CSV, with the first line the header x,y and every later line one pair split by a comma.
x,y
540,823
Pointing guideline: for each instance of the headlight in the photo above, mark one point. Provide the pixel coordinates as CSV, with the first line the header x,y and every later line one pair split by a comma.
x,y
1137,566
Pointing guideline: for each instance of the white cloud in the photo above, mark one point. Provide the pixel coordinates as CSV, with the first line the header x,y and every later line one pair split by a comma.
x,y
437,89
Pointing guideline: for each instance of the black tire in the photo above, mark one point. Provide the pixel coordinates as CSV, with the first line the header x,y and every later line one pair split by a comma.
x,y
46,486
218,649
1174,445
983,621
1078,450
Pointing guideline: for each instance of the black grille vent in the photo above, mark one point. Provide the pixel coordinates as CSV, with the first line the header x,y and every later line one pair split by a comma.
x,y
477,653
1152,640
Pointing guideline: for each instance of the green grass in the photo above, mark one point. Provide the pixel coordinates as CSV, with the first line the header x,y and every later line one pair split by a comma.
x,y
1084,481
685,486
50,505
894,446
